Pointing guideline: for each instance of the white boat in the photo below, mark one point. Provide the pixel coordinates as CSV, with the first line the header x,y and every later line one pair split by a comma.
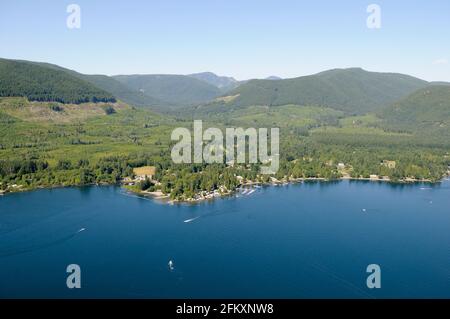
x,y
171,266
82,229
191,219
251,192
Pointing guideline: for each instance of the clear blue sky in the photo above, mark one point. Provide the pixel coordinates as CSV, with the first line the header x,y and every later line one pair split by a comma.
x,y
240,38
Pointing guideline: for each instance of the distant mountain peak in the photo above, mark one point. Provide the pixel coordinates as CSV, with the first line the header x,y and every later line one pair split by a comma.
x,y
224,83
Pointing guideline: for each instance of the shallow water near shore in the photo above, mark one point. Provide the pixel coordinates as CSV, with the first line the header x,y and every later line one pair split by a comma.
x,y
307,240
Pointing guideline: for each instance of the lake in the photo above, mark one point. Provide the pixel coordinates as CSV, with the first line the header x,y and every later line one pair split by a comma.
x,y
308,240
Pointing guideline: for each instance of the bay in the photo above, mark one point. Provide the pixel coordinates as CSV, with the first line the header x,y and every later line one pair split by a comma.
x,y
309,240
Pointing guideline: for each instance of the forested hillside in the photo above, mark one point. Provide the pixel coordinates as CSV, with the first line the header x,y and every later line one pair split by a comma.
x,y
354,91
38,83
427,109
109,84
179,90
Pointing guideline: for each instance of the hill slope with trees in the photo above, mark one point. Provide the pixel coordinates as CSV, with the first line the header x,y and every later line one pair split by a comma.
x,y
354,91
425,109
109,84
39,83
179,90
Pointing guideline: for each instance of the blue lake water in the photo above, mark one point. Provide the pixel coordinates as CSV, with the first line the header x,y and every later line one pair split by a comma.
x,y
299,241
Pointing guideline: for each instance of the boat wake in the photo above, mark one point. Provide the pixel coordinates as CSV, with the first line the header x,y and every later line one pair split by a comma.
x,y
191,219
32,244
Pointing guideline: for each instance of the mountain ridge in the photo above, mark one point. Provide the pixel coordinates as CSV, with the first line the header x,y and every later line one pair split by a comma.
x,y
179,90
110,85
224,83
352,90
40,83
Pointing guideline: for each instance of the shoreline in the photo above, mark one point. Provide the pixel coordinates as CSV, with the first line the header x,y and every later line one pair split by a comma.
x,y
158,195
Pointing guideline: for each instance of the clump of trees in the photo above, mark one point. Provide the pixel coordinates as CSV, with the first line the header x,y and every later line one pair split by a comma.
x,y
109,110
56,108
